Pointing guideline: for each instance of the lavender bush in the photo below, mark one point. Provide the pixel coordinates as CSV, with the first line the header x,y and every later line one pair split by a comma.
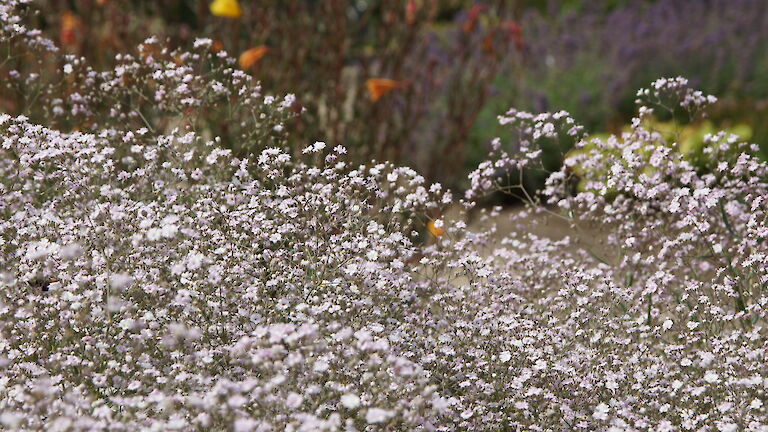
x,y
590,61
152,280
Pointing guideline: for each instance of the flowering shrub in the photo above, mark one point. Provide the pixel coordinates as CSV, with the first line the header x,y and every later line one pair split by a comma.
x,y
152,279
672,307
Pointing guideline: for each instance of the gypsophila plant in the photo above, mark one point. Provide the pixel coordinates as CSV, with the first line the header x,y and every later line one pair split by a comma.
x,y
154,279
669,292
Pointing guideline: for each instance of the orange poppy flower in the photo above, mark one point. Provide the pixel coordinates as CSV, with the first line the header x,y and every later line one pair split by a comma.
x,y
378,87
69,22
226,8
251,56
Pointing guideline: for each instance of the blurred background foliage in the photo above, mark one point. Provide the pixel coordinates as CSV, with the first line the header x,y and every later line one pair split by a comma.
x,y
421,82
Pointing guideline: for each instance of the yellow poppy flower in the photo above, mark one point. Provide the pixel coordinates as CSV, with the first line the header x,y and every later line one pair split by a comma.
x,y
226,8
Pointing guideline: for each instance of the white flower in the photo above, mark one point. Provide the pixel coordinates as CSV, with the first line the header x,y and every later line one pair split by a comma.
x,y
378,415
505,356
71,252
202,42
245,425
169,231
321,366
126,323
601,412
120,281
41,249
195,260
314,148
727,427
711,377
294,400
154,234
11,419
724,407
350,401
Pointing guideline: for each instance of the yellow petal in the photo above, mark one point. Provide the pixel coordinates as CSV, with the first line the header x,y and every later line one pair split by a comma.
x,y
226,8
249,57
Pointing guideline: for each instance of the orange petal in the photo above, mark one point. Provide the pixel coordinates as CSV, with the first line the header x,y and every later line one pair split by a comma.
x,y
378,87
250,57
217,46
435,231
69,23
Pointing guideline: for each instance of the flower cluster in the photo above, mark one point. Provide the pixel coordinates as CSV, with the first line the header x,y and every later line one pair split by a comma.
x,y
154,279
137,259
668,295
13,31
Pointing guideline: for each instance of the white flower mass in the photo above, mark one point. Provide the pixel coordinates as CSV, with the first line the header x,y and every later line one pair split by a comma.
x,y
153,278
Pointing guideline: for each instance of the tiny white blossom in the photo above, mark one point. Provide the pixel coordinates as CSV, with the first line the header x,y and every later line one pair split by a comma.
x,y
378,415
350,401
